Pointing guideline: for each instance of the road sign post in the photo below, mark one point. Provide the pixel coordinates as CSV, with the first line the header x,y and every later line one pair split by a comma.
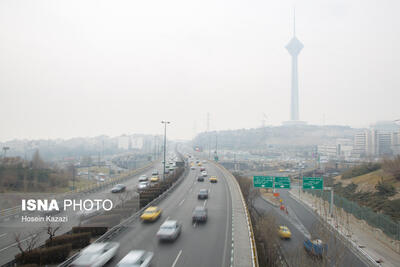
x,y
263,181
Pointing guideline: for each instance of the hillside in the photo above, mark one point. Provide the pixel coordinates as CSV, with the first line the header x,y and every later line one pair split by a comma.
x,y
378,189
368,182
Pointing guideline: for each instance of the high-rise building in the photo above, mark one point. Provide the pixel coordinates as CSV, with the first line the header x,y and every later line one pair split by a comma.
x,y
294,48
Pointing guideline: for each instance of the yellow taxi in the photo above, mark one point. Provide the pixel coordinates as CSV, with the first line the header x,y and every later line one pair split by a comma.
x,y
151,214
199,164
213,179
154,179
284,232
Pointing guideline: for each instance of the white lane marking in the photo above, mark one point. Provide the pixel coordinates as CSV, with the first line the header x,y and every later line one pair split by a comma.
x,y
176,259
205,202
3,234
13,245
180,203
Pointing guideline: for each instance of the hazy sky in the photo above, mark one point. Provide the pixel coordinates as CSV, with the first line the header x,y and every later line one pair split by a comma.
x,y
85,68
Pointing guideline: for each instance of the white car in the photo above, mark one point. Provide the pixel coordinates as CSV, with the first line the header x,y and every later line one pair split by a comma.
x,y
143,185
204,173
169,230
96,254
136,258
143,178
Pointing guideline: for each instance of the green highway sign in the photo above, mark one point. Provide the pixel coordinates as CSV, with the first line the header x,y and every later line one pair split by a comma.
x,y
263,181
313,183
282,182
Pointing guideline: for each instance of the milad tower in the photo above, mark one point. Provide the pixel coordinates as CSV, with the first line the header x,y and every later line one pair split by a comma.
x,y
294,48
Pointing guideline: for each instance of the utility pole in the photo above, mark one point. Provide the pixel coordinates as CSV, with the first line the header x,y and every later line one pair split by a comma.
x,y
165,144
209,137
73,177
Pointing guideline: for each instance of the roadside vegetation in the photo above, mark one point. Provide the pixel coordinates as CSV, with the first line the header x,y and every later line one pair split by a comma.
x,y
264,227
376,186
18,175
361,170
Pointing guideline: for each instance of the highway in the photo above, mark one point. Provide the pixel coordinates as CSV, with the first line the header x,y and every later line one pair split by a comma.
x,y
206,244
8,229
303,223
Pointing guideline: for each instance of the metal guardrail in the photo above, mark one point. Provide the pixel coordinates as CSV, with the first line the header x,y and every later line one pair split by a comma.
x,y
118,228
15,211
248,219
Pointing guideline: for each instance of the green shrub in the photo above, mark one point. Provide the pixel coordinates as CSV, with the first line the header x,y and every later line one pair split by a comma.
x,y
42,256
79,240
385,189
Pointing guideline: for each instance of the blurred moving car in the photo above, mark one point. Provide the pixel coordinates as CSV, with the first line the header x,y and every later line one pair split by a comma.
x,y
136,258
203,194
193,168
199,214
154,173
169,230
151,214
202,169
154,179
86,214
204,173
143,178
213,179
315,247
96,254
118,188
143,185
284,232
200,179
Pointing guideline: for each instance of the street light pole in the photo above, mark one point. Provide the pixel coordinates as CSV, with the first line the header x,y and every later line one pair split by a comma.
x,y
165,144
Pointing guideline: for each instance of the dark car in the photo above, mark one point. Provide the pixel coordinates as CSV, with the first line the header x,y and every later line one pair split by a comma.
x,y
200,179
199,214
202,169
118,188
203,194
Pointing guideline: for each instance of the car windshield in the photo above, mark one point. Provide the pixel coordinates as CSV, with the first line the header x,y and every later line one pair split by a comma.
x,y
169,227
150,211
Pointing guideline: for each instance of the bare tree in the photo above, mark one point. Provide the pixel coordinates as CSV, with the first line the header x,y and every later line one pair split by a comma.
x,y
29,243
52,229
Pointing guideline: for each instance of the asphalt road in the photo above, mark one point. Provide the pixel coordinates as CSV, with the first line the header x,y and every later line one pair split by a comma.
x,y
207,244
8,229
303,223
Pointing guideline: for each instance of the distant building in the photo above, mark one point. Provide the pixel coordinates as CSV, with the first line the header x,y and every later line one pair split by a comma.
x,y
395,136
136,142
377,141
124,142
330,151
361,145
383,143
